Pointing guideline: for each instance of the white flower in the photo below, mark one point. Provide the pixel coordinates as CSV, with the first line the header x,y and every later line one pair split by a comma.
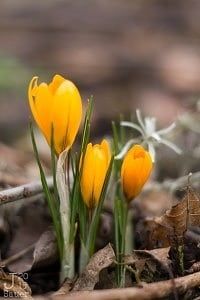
x,y
148,135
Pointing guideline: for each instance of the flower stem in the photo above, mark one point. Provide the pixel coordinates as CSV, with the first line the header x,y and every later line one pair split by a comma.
x,y
121,212
129,235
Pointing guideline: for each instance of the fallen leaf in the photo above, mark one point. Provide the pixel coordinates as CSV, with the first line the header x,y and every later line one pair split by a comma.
x,y
46,251
194,268
193,201
175,219
90,276
64,289
171,227
160,255
155,259
158,234
32,221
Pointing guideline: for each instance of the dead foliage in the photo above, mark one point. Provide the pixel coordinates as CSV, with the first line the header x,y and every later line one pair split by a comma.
x,y
171,227
90,276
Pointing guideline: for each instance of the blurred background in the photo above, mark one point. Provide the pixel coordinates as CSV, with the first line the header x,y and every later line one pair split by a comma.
x,y
128,54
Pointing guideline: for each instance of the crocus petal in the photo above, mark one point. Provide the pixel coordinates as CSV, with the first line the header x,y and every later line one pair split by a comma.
x,y
59,105
131,177
43,103
55,83
100,167
94,170
135,171
31,96
106,148
66,116
87,177
146,168
40,102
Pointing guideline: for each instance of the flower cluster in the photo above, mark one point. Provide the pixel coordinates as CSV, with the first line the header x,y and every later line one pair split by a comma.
x,y
58,105
57,110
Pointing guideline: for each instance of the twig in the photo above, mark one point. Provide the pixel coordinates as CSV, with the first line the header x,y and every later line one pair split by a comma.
x,y
182,181
34,188
174,184
149,291
16,256
24,191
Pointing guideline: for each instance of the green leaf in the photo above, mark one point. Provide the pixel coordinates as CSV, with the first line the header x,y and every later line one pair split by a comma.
x,y
96,216
76,194
65,214
83,217
115,138
86,126
122,131
50,199
116,145
120,214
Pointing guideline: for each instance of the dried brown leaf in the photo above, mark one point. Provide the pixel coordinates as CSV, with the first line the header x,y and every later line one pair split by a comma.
x,y
194,268
46,251
172,226
140,264
175,219
64,289
160,255
158,233
193,201
90,276
31,224
153,258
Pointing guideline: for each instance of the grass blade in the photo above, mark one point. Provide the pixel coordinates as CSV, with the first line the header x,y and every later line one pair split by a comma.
x,y
50,199
76,194
96,216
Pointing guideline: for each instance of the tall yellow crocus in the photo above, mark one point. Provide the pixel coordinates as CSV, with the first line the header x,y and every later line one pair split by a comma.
x,y
58,105
94,169
136,169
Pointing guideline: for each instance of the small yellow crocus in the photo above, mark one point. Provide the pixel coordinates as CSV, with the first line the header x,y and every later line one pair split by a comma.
x,y
136,169
56,105
94,169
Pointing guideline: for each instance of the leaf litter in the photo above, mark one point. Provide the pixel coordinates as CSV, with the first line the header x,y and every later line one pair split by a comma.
x,y
174,223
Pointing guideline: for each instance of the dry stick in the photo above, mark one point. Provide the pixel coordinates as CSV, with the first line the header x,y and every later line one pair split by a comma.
x,y
174,184
34,188
191,178
16,256
23,191
149,291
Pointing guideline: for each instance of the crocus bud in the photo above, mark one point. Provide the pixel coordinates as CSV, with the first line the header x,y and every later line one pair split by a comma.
x,y
94,169
56,105
135,171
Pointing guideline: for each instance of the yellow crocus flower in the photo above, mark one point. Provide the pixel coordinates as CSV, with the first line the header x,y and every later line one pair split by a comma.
x,y
135,171
57,104
94,169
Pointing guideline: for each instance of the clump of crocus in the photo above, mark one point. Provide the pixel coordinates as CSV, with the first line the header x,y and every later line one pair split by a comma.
x,y
56,105
94,169
136,169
